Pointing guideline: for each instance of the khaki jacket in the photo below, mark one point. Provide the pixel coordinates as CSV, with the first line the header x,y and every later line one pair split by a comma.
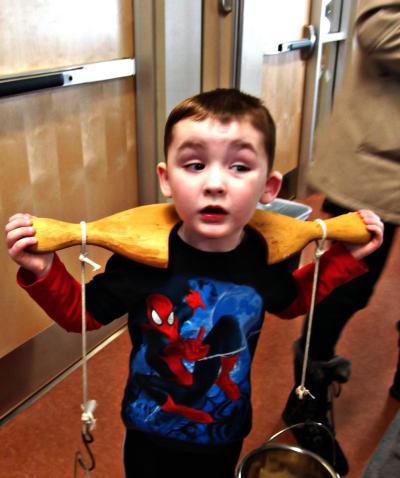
x,y
357,154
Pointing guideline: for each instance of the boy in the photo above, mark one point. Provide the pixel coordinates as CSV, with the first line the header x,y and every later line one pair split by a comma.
x,y
194,326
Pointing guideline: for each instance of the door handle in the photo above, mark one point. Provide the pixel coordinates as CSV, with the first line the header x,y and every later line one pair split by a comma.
x,y
26,85
306,45
69,76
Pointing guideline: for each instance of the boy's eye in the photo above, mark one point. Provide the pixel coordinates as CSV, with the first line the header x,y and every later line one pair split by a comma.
x,y
194,166
240,168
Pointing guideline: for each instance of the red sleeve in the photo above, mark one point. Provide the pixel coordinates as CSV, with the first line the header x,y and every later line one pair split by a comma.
x,y
59,294
337,266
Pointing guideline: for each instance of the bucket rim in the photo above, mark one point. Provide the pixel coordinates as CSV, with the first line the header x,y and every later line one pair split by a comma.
x,y
284,446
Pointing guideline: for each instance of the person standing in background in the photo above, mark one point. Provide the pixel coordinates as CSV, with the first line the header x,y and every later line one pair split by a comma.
x,y
356,165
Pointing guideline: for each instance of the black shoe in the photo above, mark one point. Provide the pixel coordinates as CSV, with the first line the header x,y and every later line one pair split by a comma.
x,y
312,436
394,391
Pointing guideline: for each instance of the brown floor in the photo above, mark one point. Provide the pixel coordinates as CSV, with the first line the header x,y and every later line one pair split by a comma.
x,y
40,442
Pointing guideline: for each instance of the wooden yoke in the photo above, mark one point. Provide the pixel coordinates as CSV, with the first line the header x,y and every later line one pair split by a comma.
x,y
142,233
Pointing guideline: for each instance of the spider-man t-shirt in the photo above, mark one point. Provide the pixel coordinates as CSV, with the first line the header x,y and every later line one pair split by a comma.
x,y
194,329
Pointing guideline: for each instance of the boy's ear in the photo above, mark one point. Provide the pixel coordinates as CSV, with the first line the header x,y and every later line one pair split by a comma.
x,y
162,173
272,187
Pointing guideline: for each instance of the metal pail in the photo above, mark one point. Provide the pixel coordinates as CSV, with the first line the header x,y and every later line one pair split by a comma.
x,y
277,460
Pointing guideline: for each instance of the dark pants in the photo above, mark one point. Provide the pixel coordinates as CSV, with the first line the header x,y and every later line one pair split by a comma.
x,y
145,459
332,313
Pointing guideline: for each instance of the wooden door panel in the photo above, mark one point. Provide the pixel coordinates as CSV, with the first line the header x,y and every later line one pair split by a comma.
x,y
45,34
68,154
282,90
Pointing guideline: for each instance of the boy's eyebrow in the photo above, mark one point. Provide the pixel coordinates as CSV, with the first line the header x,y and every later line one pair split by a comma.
x,y
193,144
241,144
196,144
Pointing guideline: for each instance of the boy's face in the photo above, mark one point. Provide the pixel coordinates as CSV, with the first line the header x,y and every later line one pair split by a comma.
x,y
216,174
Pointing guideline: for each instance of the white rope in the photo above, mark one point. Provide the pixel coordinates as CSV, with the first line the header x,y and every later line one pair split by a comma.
x,y
301,390
324,228
88,406
87,418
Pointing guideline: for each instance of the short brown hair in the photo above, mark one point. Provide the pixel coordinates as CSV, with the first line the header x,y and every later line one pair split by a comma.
x,y
225,104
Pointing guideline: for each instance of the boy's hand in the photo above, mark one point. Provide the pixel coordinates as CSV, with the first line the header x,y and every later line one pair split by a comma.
x,y
19,236
375,227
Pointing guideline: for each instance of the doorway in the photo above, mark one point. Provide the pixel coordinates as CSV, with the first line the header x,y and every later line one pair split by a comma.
x,y
294,62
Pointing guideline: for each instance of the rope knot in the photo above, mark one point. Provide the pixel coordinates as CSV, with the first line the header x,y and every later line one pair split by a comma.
x,y
83,255
85,258
302,391
87,416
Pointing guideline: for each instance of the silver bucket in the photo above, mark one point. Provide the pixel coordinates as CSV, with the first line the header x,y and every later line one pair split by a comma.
x,y
277,460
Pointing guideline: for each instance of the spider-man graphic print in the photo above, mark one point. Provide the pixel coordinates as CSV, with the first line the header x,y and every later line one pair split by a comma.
x,y
190,378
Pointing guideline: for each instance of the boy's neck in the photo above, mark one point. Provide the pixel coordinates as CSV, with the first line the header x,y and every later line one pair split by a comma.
x,y
208,244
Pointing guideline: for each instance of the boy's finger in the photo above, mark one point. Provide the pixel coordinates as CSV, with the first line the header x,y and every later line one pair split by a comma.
x,y
18,234
377,232
20,245
20,215
18,221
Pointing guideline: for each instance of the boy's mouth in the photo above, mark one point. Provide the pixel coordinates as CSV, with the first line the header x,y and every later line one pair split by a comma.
x,y
213,212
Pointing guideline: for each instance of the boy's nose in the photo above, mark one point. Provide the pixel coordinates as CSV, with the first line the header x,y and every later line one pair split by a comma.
x,y
215,182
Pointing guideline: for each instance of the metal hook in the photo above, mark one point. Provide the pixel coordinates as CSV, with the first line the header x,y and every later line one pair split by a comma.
x,y
87,439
